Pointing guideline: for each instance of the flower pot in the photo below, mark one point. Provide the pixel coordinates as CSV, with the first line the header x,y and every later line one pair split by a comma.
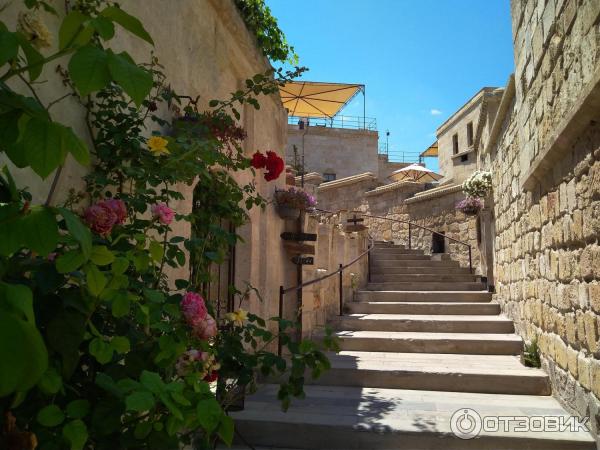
x,y
470,211
287,212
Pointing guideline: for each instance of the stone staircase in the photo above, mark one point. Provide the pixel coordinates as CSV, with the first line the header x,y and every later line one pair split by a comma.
x,y
420,343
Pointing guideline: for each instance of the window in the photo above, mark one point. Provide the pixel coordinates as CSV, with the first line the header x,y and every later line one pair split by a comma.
x,y
455,144
328,176
470,134
464,158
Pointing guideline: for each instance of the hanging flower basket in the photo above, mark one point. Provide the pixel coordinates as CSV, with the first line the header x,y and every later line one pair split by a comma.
x,y
470,206
290,202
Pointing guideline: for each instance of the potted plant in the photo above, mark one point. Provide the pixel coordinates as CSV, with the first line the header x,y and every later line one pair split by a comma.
x,y
291,201
470,206
479,184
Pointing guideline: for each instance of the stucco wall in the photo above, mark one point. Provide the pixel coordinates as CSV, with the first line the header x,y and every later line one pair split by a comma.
x,y
547,230
207,52
346,152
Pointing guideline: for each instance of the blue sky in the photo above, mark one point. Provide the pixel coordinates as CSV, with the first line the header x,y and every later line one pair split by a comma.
x,y
420,59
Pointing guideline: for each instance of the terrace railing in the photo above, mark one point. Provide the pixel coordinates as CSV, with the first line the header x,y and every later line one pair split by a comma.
x,y
346,122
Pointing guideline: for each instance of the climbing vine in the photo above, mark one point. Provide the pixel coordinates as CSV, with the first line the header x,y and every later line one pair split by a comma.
x,y
98,348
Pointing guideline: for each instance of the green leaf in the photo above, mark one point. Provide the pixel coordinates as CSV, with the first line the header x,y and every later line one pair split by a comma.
x,y
78,230
209,414
225,430
70,261
35,60
76,434
88,68
109,385
134,80
101,255
51,382
102,351
9,47
96,281
142,430
50,416
23,354
77,409
121,304
154,295
156,250
104,27
17,299
70,28
39,230
75,146
120,265
64,334
140,401
43,146
120,344
152,381
127,21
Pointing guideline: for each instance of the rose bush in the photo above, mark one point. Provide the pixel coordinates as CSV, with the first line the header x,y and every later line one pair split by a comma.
x,y
97,349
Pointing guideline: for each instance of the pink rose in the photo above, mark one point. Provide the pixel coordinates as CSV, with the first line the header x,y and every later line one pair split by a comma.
x,y
193,308
205,329
118,207
100,218
163,213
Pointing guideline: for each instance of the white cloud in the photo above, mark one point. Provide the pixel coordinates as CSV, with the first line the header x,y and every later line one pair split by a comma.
x,y
435,112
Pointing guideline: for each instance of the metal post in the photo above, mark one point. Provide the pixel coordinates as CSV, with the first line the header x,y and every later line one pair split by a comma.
x,y
341,291
369,266
470,261
409,235
364,108
280,317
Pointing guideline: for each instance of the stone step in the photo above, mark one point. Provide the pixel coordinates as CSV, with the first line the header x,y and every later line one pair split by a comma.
x,y
424,323
423,296
415,263
426,285
396,251
399,257
427,270
494,374
406,342
434,308
353,418
424,278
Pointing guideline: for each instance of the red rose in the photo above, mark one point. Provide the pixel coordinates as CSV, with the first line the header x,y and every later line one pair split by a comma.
x,y
100,218
258,160
274,165
118,207
213,376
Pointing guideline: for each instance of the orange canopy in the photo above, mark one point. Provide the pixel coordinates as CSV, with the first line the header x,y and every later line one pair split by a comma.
x,y
314,99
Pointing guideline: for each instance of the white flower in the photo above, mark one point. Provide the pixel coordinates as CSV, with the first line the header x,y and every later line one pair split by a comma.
x,y
478,185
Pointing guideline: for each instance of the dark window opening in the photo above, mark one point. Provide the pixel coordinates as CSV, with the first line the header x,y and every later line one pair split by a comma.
x,y
470,134
328,176
438,243
464,158
455,143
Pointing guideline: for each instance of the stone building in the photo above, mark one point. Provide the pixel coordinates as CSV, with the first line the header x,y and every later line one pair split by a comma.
x,y
458,137
544,151
207,52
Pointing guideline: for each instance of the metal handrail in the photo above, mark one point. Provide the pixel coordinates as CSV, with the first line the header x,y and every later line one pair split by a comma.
x,y
410,225
340,270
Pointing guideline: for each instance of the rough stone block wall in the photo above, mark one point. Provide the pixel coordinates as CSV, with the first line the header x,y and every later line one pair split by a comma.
x,y
547,236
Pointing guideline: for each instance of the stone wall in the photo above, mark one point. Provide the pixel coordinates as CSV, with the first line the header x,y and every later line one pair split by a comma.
x,y
546,166
344,152
334,246
433,209
345,193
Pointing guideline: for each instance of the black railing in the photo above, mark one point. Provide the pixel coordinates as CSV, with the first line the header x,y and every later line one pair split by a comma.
x,y
411,225
340,271
367,252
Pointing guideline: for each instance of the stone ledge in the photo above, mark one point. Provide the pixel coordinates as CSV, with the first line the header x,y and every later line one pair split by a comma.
x,y
433,193
585,110
367,176
391,187
309,178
